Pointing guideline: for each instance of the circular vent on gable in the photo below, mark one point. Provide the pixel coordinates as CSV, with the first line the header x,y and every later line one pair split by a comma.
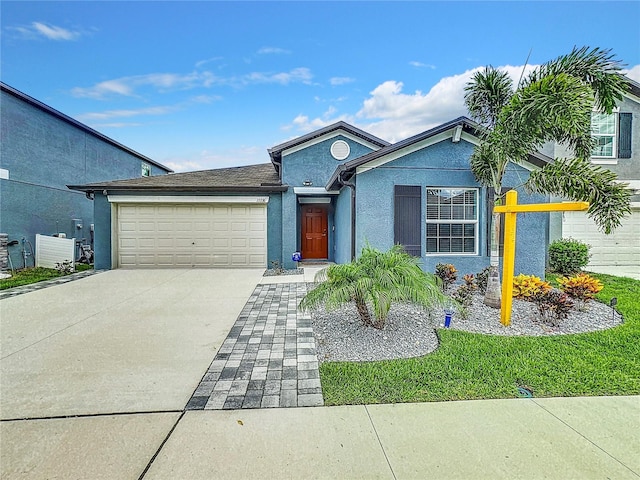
x,y
340,150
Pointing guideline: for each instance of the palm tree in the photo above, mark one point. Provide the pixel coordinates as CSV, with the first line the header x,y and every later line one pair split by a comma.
x,y
377,279
552,104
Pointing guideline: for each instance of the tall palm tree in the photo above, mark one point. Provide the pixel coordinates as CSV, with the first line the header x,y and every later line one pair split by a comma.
x,y
552,104
375,279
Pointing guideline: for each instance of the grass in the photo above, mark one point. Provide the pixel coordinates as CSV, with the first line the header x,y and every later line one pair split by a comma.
x,y
28,276
474,366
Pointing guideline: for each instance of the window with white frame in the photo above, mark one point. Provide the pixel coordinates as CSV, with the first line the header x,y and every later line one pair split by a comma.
x,y
146,169
452,221
603,131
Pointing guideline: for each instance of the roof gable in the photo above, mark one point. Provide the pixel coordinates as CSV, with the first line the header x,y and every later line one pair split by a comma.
x,y
461,128
317,136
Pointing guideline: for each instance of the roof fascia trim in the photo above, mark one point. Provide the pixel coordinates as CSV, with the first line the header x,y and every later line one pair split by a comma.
x,y
186,199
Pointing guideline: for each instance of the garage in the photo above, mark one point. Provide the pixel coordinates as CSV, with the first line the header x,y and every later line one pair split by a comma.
x,y
186,234
621,248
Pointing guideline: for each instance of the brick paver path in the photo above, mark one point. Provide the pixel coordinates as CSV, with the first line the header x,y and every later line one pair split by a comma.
x,y
268,359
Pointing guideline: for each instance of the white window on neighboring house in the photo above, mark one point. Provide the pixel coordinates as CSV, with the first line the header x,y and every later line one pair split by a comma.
x,y
452,221
146,169
604,133
612,134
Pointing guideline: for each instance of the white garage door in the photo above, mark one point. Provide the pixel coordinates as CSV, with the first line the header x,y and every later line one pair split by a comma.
x,y
191,235
621,248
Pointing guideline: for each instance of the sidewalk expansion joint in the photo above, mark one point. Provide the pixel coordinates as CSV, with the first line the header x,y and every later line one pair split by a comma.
x,y
87,415
587,438
268,359
166,439
380,443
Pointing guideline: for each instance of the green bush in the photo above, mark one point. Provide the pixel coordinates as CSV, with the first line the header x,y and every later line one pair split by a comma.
x,y
568,256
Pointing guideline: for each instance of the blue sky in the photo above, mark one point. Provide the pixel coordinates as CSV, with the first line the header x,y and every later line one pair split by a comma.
x,y
198,85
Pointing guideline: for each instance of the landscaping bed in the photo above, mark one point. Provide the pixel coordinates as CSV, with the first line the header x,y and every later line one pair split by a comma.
x,y
552,361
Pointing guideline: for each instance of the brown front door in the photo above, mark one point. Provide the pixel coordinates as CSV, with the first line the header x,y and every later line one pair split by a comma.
x,y
315,243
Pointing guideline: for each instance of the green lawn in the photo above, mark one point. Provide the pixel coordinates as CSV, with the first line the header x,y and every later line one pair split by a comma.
x,y
474,366
34,275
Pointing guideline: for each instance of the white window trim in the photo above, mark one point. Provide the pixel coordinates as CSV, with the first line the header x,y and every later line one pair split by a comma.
x,y
612,160
475,222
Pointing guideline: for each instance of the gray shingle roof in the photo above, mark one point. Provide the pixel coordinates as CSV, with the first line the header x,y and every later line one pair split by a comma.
x,y
261,177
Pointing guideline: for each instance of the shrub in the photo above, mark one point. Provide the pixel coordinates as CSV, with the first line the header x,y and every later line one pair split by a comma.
x,y
553,305
581,288
277,267
525,287
447,273
568,256
65,268
464,295
481,280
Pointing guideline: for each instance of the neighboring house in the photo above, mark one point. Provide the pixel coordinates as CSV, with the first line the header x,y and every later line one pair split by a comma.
x,y
325,194
43,150
618,149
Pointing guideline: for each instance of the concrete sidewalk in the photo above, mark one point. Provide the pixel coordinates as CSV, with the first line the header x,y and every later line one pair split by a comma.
x,y
557,438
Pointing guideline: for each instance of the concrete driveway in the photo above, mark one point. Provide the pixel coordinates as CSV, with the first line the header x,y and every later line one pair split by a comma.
x,y
119,341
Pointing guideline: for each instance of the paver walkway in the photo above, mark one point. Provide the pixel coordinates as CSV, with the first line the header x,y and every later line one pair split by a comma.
x,y
268,359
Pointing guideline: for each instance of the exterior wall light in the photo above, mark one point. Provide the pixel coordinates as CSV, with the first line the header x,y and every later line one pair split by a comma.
x,y
307,183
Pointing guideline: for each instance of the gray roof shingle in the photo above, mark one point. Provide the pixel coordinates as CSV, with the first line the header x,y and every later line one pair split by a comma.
x,y
261,177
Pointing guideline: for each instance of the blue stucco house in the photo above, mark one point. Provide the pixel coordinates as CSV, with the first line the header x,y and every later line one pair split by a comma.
x,y
324,194
41,152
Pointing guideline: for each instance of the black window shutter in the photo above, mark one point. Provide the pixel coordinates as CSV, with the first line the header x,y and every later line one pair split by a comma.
x,y
407,225
490,192
624,135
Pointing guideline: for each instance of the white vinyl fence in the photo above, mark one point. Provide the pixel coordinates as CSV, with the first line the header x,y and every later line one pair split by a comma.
x,y
52,250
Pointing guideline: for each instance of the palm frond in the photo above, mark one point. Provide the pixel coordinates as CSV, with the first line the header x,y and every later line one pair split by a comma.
x,y
486,94
579,180
598,68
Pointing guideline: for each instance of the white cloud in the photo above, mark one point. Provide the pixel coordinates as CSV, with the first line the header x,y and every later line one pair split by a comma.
x,y
147,111
48,31
163,82
273,51
302,75
633,73
422,65
220,158
109,114
341,80
201,63
394,115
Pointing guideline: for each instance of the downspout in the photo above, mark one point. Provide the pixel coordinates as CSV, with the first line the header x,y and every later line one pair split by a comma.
x,y
352,186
